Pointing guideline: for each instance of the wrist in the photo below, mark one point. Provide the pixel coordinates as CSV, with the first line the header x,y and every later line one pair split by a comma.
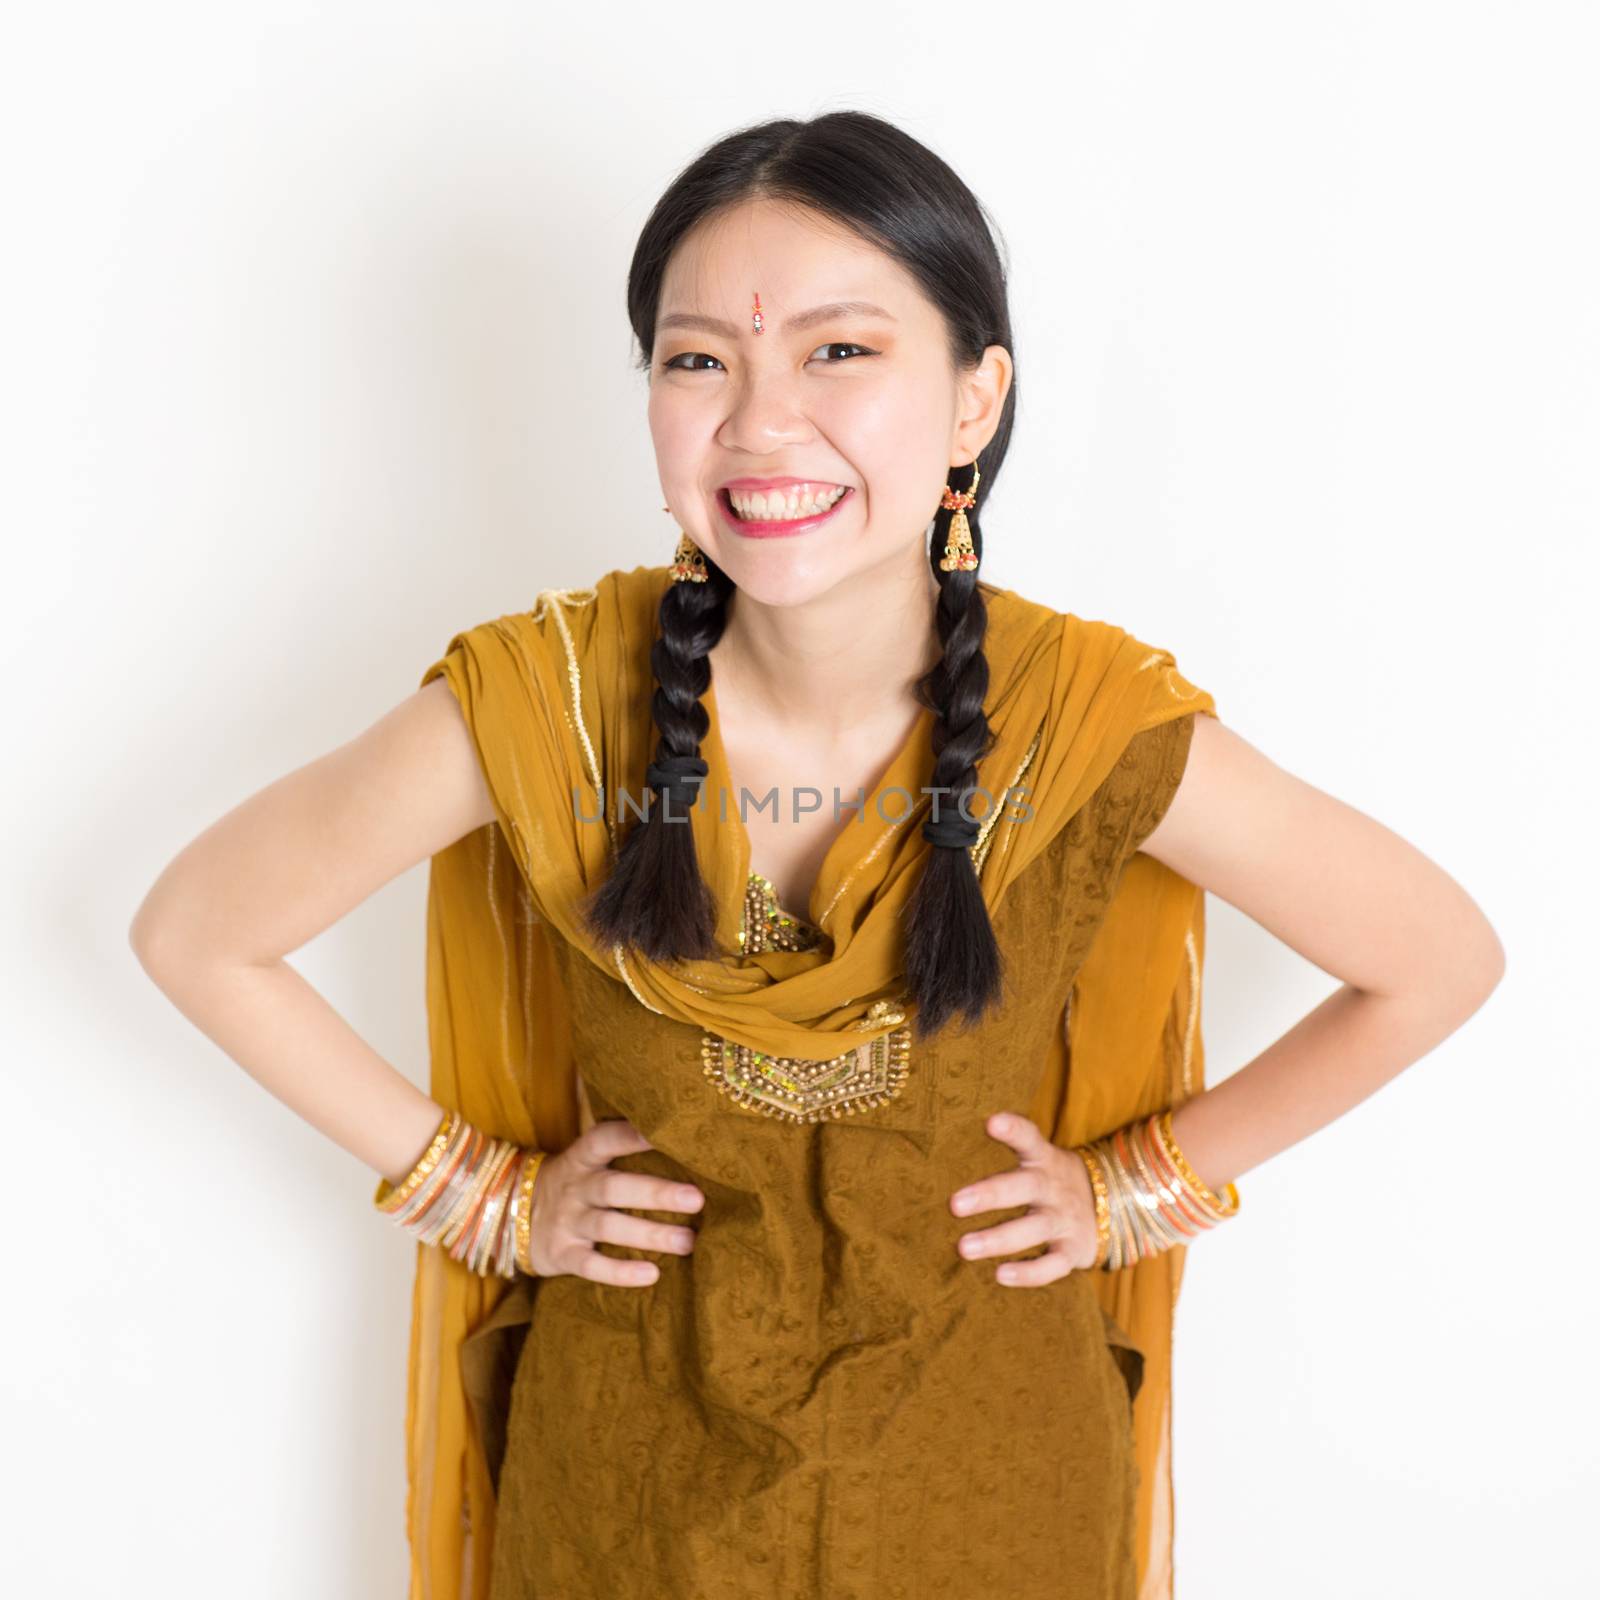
x,y
471,1193
1148,1197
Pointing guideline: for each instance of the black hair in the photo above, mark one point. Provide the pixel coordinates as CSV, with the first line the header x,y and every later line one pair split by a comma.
x,y
892,191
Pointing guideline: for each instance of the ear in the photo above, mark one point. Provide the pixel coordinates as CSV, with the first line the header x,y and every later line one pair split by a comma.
x,y
982,397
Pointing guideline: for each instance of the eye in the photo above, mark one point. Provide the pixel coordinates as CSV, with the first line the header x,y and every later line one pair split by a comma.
x,y
692,355
839,346
677,363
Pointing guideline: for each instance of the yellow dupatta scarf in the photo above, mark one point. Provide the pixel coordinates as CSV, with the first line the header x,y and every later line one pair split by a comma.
x,y
558,703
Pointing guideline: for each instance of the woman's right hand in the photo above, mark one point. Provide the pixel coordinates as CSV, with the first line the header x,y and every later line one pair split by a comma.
x,y
576,1201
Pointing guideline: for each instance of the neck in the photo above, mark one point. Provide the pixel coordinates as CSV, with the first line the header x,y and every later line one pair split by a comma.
x,y
838,661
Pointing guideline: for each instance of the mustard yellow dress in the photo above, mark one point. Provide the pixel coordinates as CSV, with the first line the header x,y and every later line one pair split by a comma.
x,y
824,1400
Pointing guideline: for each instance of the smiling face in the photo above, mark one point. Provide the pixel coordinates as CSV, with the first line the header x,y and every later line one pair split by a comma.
x,y
853,398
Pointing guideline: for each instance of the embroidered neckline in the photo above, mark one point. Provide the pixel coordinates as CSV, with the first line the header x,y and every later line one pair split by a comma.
x,y
767,926
798,1088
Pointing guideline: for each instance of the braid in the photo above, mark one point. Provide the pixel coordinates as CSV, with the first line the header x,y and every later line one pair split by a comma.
x,y
655,897
952,957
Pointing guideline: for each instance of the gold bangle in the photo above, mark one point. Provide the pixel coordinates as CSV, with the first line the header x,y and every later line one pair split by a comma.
x,y
390,1198
462,1195
471,1238
1222,1206
1102,1207
1147,1197
532,1161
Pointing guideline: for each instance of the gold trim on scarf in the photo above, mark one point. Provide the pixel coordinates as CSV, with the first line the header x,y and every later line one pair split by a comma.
x,y
1192,1021
620,956
576,597
980,847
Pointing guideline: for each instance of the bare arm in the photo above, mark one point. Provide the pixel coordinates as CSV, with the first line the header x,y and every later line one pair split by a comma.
x,y
1416,954
282,867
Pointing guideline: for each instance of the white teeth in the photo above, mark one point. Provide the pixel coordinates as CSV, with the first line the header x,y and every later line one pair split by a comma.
x,y
779,505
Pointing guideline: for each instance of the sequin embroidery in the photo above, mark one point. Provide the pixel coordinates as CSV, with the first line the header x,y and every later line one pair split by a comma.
x,y
798,1088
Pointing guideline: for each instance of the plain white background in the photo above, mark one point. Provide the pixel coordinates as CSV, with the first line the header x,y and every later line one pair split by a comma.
x,y
314,352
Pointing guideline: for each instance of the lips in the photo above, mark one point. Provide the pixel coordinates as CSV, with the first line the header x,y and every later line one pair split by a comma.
x,y
777,529
779,483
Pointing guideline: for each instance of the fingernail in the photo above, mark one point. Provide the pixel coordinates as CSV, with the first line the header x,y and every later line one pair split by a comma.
x,y
963,1204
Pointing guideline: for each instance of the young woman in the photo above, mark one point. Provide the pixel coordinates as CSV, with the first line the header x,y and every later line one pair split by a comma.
x,y
804,1188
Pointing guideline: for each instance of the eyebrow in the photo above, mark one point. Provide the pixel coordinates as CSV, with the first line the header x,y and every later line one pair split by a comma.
x,y
799,321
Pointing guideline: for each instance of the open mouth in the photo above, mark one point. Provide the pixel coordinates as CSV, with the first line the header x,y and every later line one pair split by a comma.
x,y
766,527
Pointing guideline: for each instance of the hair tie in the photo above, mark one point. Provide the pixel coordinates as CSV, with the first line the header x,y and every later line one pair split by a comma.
x,y
952,833
677,778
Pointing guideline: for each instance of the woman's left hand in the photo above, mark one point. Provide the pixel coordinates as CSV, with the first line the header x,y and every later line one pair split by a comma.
x,y
1054,1184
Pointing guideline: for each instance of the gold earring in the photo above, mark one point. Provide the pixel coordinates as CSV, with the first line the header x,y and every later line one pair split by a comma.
x,y
959,556
688,560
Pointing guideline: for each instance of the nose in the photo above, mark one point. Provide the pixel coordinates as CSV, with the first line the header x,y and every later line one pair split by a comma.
x,y
764,412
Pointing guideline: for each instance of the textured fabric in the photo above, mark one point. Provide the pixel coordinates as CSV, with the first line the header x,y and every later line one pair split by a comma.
x,y
557,699
824,1400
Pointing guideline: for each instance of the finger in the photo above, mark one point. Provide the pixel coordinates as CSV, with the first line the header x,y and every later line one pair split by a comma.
x,y
637,1191
665,1195
1034,1272
1021,1133
617,1227
607,1140
622,1271
1021,1234
1022,1186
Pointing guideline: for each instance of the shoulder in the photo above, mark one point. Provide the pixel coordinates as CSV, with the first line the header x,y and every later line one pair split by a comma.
x,y
1088,856
1156,756
565,625
1094,638
1139,789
